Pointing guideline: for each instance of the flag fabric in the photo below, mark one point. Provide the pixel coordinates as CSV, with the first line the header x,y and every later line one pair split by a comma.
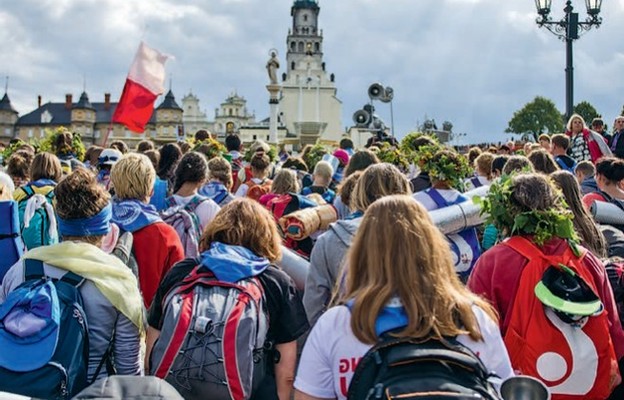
x,y
144,84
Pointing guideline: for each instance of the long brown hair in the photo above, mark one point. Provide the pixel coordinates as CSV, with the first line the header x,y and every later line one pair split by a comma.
x,y
244,222
397,251
584,225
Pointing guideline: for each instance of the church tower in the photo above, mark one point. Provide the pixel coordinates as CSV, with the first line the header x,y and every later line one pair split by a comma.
x,y
309,106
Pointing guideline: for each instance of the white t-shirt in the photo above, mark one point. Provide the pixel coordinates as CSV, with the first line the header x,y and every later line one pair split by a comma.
x,y
332,352
450,195
206,210
482,179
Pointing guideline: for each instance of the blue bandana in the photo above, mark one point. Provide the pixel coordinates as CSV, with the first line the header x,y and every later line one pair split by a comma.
x,y
232,263
355,215
392,316
43,182
215,191
133,215
96,225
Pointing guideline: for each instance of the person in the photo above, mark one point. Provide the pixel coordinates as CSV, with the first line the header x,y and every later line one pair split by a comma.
x,y
230,235
343,158
154,157
285,182
421,181
234,147
260,164
219,182
483,171
517,164
504,150
499,277
18,167
120,146
498,164
111,299
473,153
145,145
7,187
359,161
272,67
584,143
202,135
617,141
598,126
559,150
64,149
585,172
156,245
347,145
170,155
190,175
323,173
590,235
91,156
106,160
328,254
609,173
417,282
543,162
544,141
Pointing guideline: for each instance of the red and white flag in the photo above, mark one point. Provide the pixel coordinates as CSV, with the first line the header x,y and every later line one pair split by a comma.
x,y
145,82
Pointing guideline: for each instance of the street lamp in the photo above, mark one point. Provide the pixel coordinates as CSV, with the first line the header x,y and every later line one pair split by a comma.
x,y
568,29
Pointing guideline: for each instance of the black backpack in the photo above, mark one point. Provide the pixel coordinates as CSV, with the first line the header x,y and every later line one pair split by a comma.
x,y
403,368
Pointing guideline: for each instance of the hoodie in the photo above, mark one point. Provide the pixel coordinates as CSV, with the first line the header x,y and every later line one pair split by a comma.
x,y
325,261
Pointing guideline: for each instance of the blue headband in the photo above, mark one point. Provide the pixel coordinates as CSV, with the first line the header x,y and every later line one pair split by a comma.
x,y
97,225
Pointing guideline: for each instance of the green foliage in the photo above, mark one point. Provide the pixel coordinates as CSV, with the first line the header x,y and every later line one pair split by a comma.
x,y
272,154
587,111
391,155
510,219
444,165
48,143
213,148
9,150
408,144
315,155
537,117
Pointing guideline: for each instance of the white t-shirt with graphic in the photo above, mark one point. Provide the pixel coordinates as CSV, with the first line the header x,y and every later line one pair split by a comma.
x,y
332,352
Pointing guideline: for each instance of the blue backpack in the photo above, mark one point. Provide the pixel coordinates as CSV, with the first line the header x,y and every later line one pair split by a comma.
x,y
464,244
44,362
11,244
38,232
159,198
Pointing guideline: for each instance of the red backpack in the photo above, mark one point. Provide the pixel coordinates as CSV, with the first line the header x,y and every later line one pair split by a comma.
x,y
575,362
257,190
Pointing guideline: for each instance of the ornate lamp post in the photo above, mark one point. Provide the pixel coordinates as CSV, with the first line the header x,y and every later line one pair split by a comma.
x,y
568,29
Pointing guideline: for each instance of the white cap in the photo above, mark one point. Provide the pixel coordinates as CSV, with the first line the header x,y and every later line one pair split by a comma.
x,y
109,157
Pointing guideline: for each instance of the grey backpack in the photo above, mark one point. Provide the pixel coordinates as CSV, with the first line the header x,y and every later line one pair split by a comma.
x,y
213,335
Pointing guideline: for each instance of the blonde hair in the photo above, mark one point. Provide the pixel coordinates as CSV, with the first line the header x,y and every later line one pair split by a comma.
x,y
232,226
324,170
572,118
133,177
421,274
377,181
285,182
483,164
220,169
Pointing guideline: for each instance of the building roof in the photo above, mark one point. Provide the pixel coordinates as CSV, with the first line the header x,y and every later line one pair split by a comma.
x,y
83,102
62,116
306,4
5,104
169,102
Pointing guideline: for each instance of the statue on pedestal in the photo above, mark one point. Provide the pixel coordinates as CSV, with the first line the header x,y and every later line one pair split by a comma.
x,y
272,66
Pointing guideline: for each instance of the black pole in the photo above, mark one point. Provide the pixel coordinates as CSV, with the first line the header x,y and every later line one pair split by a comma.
x,y
569,79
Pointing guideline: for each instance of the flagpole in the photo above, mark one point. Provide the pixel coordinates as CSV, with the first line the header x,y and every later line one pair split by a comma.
x,y
108,132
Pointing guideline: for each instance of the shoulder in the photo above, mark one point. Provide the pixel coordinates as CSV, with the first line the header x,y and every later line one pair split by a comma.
x,y
157,232
274,278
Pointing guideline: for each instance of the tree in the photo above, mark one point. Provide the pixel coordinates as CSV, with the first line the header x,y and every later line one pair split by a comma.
x,y
537,117
587,111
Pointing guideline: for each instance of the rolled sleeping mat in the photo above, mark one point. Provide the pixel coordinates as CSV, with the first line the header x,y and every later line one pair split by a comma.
x,y
460,216
295,266
303,223
607,213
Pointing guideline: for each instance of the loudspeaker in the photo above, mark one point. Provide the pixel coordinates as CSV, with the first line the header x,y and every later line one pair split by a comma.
x,y
388,95
376,91
362,118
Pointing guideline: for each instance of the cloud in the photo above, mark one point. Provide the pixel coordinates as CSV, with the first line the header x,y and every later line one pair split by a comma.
x,y
473,62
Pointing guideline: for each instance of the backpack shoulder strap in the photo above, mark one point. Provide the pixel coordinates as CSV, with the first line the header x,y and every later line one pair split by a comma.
x,y
436,197
50,195
33,269
529,250
194,203
28,190
170,202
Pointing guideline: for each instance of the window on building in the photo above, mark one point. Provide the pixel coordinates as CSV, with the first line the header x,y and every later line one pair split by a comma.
x,y
305,17
317,47
41,133
268,138
300,47
127,133
166,130
7,131
97,133
255,137
229,112
293,46
30,133
88,130
153,133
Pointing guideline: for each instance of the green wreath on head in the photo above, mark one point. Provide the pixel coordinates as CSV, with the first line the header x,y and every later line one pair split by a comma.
x,y
10,149
408,146
249,153
507,216
392,155
214,149
48,142
315,155
442,168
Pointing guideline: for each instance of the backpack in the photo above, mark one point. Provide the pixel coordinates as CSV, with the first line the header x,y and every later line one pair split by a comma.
x,y
212,340
285,204
564,166
159,197
573,361
37,219
65,373
11,244
121,387
123,251
257,190
186,223
464,244
615,273
404,368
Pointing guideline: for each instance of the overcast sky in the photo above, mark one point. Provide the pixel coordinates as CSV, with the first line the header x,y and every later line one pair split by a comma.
x,y
472,62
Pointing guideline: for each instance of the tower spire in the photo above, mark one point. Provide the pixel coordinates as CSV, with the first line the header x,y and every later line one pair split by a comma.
x,y
6,85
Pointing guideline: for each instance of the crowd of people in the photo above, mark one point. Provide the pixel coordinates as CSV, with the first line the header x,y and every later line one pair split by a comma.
x,y
167,262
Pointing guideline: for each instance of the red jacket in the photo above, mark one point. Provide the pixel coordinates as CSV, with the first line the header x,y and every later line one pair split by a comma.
x,y
157,248
596,149
496,276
